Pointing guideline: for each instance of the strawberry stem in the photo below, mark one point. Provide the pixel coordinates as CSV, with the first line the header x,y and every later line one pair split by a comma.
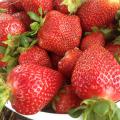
x,y
96,109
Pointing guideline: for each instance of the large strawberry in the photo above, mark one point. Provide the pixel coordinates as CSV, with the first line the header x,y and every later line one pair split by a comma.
x,y
97,73
10,25
35,55
97,13
32,87
58,34
67,63
91,39
65,100
34,5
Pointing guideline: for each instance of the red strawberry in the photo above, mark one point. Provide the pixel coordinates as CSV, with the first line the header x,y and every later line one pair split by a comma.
x,y
7,7
97,73
33,87
65,100
93,38
67,63
2,64
10,25
54,60
24,18
97,13
35,55
34,5
58,34
17,4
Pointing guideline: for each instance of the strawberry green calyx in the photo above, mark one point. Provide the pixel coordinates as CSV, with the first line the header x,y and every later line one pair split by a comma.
x,y
96,109
2,10
4,92
72,5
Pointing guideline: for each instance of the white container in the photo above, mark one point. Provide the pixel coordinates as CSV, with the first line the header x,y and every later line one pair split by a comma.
x,y
47,116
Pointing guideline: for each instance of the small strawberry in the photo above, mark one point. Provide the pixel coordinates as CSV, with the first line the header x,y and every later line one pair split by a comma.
x,y
17,4
35,55
34,5
58,34
97,13
67,63
10,25
2,64
97,73
24,18
7,7
54,60
67,6
91,39
32,87
65,100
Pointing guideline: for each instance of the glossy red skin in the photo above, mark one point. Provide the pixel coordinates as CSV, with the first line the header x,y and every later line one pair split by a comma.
x,y
59,7
114,49
10,25
97,73
97,13
33,87
65,100
22,16
91,39
67,63
17,4
35,55
58,34
8,6
34,5
54,60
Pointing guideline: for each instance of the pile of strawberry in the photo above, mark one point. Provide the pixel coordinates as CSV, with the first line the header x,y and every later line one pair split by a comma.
x,y
62,54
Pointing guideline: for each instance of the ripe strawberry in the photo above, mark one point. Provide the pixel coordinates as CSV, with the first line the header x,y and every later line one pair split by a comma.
x,y
67,63
93,38
54,60
33,87
17,4
35,55
97,13
97,73
10,25
58,34
34,5
24,18
7,7
65,100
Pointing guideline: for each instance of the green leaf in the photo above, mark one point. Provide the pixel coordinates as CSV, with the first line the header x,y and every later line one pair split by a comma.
x,y
2,10
34,16
40,11
24,41
117,41
101,108
76,112
35,26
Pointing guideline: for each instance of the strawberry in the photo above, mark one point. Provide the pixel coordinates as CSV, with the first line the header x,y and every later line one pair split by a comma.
x,y
91,39
97,13
2,64
24,18
7,7
17,4
54,60
35,55
32,87
65,100
58,34
97,73
67,63
10,25
34,5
